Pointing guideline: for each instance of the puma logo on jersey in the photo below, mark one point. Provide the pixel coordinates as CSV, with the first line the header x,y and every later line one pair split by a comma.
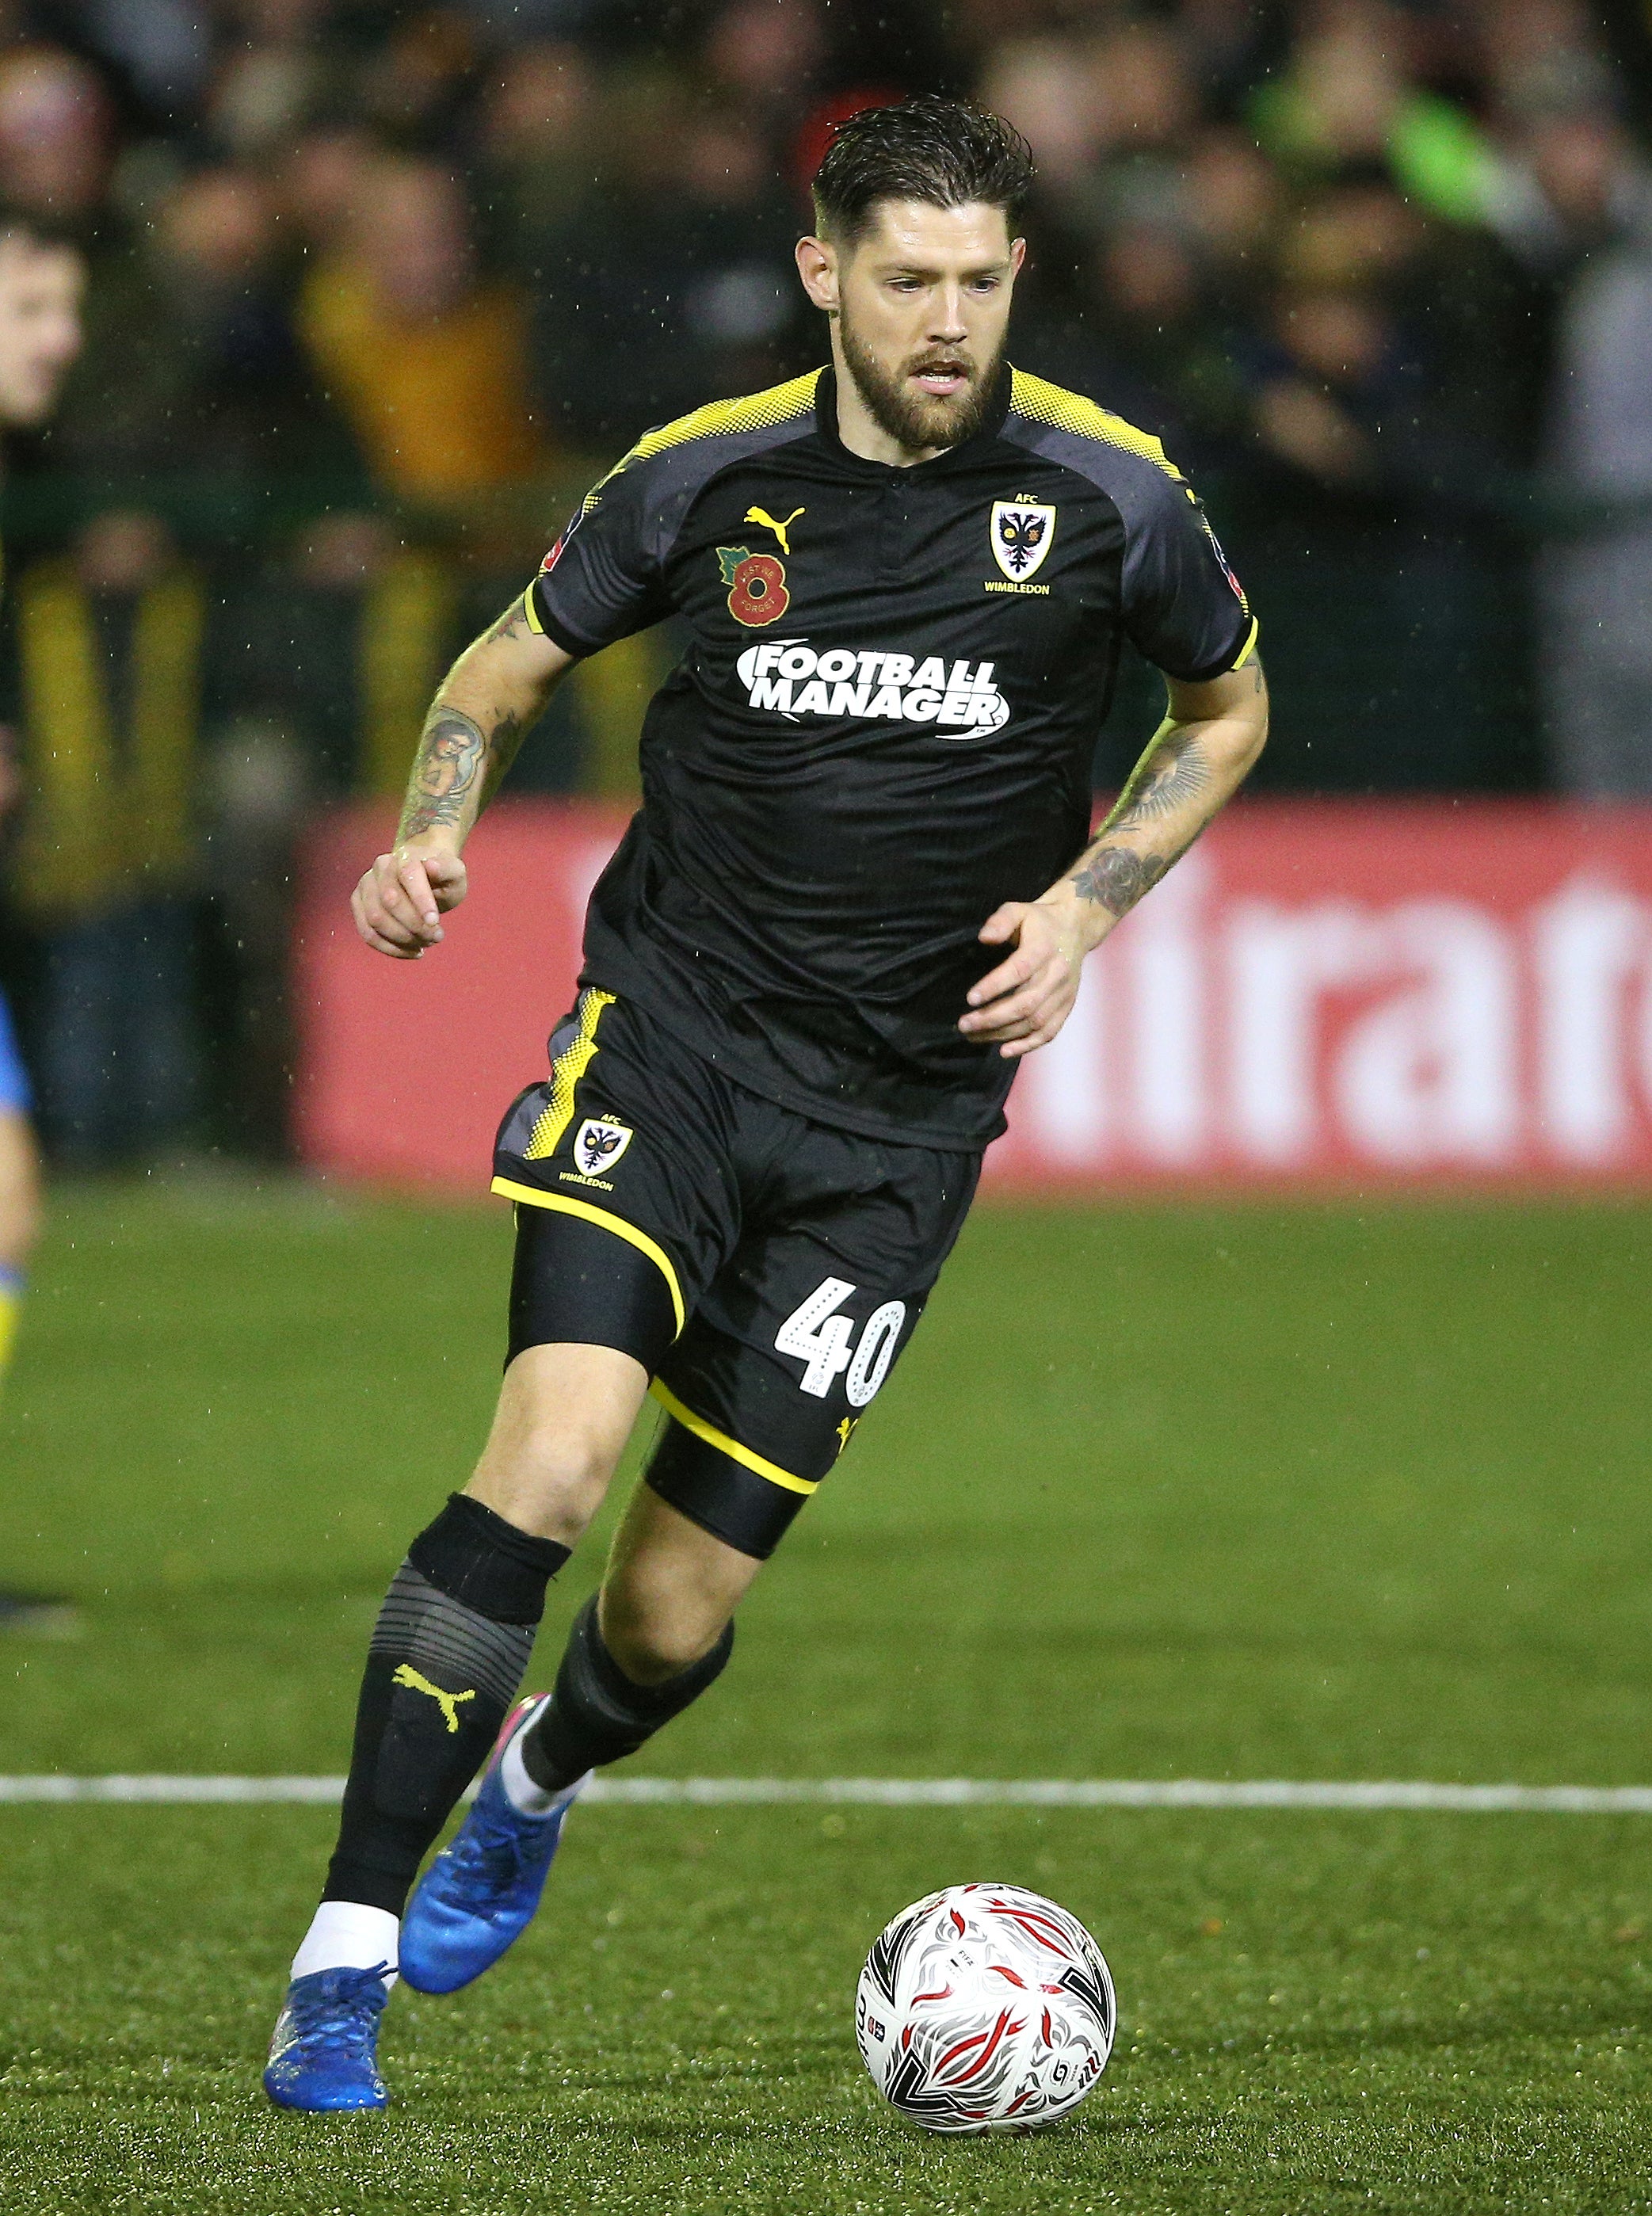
x,y
762,515
788,676
405,1674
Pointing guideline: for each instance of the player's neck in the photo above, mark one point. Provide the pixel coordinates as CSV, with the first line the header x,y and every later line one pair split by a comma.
x,y
860,431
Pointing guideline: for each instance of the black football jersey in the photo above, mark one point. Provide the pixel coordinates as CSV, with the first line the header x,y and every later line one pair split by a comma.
x,y
882,727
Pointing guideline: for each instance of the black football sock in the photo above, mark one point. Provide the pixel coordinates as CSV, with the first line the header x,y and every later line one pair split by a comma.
x,y
444,1663
598,1714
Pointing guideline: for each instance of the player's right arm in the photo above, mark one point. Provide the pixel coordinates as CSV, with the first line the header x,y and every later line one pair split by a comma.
x,y
484,708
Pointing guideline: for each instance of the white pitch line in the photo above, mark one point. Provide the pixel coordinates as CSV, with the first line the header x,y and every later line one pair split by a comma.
x,y
910,1793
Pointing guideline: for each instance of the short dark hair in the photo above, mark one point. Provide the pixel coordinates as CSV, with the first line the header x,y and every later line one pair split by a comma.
x,y
946,152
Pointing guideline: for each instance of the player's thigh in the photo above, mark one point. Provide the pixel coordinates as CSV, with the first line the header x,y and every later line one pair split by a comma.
x,y
564,1416
624,1206
621,1167
671,1587
798,1334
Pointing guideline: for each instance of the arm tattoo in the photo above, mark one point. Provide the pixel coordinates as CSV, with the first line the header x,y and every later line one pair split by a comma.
x,y
511,624
1171,775
460,762
450,757
454,754
1173,783
1115,877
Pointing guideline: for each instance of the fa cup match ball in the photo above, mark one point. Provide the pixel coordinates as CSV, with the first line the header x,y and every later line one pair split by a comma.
x,y
984,2007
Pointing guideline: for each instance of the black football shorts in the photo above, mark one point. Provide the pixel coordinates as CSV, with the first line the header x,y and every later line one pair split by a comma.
x,y
766,1269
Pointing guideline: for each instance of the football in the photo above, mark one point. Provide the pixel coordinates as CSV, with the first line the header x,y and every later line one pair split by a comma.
x,y
984,2007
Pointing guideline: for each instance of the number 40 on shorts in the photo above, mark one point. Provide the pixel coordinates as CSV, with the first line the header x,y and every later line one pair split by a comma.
x,y
815,1335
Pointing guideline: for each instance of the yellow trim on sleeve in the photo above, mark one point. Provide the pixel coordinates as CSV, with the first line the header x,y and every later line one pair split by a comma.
x,y
1250,645
569,1066
1044,403
701,1430
564,1203
719,419
531,613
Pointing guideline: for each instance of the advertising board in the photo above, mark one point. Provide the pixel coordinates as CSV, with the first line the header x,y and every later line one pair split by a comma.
x,y
1320,993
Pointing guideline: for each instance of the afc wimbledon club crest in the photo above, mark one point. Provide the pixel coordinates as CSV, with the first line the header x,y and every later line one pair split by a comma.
x,y
756,585
598,1145
1021,533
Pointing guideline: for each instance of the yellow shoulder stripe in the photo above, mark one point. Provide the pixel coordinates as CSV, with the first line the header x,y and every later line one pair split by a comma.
x,y
720,419
563,1203
701,1430
1035,396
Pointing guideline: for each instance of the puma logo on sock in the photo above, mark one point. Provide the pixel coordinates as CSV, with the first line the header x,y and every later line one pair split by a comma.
x,y
405,1674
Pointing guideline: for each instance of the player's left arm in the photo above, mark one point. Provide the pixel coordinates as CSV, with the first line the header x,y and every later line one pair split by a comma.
x,y
1194,763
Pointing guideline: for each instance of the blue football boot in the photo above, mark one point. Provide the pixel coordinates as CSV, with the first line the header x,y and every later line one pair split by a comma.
x,y
478,1896
323,2053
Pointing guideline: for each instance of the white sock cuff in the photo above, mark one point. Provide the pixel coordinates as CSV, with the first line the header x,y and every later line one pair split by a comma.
x,y
525,1796
346,1935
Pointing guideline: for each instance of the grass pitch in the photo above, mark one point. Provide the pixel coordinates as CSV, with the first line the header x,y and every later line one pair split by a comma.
x,y
1307,1492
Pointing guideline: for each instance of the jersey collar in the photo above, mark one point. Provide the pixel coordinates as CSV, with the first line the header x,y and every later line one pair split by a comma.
x,y
960,456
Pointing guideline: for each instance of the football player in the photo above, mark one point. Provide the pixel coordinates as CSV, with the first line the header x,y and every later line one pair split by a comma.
x,y
859,888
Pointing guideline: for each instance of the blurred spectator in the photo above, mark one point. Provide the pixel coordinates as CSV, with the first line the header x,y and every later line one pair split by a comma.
x,y
670,281
428,356
763,57
110,652
414,84
40,286
162,49
541,132
271,81
1596,576
1234,203
320,183
55,143
247,401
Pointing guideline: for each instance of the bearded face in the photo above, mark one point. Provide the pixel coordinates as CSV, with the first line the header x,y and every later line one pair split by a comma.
x,y
936,397
921,301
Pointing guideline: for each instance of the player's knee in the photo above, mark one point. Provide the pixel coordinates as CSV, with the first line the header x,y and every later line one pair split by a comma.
x,y
563,1463
652,1641
545,1477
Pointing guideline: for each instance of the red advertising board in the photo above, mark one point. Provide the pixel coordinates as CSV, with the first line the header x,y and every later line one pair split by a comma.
x,y
1320,991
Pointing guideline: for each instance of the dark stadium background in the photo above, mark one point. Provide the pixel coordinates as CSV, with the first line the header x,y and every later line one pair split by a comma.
x,y
1340,1476
377,289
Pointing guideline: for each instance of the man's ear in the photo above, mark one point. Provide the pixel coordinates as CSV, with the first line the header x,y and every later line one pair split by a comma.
x,y
817,267
1017,255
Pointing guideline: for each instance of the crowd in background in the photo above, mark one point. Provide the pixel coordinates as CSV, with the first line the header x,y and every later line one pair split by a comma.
x,y
375,289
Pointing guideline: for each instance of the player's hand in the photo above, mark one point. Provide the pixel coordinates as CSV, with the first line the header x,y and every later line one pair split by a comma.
x,y
400,901
1025,1001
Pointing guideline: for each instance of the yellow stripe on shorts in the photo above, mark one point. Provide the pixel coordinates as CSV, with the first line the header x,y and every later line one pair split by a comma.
x,y
563,1203
701,1430
569,1066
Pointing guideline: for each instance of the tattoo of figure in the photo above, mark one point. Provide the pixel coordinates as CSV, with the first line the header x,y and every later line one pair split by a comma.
x,y
451,755
454,754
